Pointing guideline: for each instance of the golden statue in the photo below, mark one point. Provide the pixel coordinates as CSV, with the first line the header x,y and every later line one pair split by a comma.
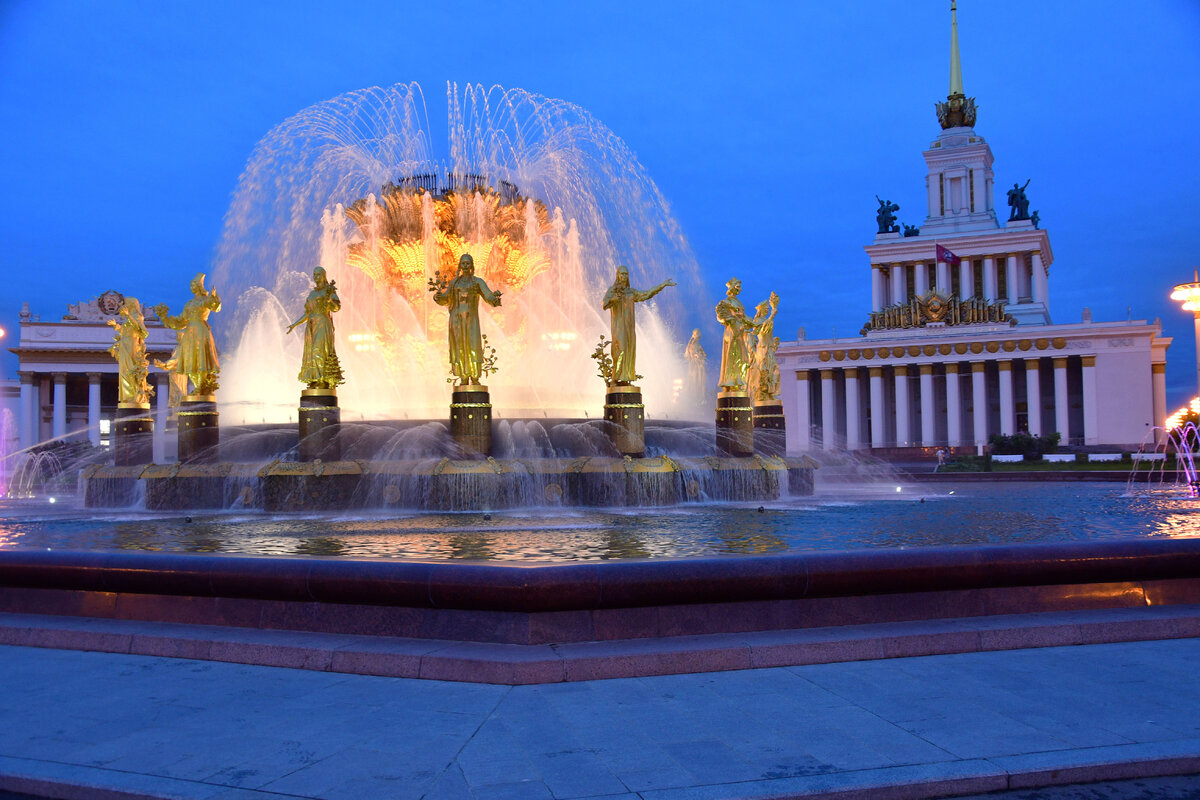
x,y
697,367
735,346
620,299
319,368
129,348
196,355
764,374
467,361
176,384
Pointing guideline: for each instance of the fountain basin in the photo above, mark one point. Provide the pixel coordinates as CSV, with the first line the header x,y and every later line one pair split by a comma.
x,y
533,604
448,485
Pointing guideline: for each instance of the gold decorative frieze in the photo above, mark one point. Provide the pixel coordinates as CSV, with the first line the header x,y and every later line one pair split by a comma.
x,y
825,355
1058,342
976,347
1009,346
961,348
938,308
1042,344
1025,344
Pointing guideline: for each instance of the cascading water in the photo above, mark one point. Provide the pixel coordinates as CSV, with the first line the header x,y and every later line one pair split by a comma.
x,y
546,199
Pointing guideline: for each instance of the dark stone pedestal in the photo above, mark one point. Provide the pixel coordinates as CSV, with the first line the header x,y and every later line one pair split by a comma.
x,y
199,433
133,435
471,420
319,421
735,424
770,433
623,407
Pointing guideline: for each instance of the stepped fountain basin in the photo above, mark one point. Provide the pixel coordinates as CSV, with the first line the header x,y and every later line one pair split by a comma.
x,y
448,485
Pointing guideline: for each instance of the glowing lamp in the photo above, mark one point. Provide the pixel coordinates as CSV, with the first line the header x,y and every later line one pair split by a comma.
x,y
1189,295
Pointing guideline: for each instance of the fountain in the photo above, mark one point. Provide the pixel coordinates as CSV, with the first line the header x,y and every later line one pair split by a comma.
x,y
537,203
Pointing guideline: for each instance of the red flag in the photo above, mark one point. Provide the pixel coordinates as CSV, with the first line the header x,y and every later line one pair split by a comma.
x,y
946,257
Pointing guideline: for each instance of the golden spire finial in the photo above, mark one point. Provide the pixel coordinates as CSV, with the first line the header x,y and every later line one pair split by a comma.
x,y
956,86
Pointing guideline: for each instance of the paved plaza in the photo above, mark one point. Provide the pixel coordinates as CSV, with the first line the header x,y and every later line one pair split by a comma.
x,y
932,726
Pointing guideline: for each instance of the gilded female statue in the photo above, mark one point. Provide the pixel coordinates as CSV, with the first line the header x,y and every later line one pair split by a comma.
x,y
319,368
735,346
462,297
620,299
129,348
764,375
196,355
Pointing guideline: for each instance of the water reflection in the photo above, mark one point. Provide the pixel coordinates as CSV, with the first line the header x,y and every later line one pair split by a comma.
x,y
848,518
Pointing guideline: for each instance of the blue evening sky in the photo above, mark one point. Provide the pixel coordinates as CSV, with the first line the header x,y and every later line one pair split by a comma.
x,y
769,127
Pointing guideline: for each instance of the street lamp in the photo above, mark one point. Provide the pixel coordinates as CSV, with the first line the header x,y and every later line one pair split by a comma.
x,y
1189,295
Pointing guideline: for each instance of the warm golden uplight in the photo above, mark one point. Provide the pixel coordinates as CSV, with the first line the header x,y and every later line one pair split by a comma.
x,y
1177,420
1189,294
412,236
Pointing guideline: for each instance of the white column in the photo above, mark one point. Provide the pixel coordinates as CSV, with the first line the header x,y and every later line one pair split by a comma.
x,y
28,411
966,279
1033,396
928,423
1159,393
953,407
903,435
990,287
853,414
1041,285
60,405
877,302
980,401
1008,408
944,284
899,283
162,399
828,410
878,412
1014,291
921,279
1091,420
1062,409
94,408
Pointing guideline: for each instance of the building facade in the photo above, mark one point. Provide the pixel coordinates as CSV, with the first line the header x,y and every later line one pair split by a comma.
x,y
959,344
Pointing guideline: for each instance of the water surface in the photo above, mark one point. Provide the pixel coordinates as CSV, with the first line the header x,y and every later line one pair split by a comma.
x,y
836,518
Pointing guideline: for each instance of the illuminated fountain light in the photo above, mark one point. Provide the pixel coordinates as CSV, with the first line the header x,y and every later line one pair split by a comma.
x,y
545,198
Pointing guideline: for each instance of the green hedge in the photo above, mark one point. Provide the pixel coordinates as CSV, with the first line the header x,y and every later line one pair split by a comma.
x,y
1022,444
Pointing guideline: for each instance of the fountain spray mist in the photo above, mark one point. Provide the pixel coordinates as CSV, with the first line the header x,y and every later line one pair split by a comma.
x,y
546,199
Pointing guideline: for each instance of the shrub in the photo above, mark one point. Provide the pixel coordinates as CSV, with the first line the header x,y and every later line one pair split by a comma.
x,y
1032,447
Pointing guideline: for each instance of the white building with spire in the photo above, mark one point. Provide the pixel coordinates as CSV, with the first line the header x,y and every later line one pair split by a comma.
x,y
958,344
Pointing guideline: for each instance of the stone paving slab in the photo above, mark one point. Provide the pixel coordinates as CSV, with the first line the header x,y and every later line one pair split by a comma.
x,y
105,725
512,664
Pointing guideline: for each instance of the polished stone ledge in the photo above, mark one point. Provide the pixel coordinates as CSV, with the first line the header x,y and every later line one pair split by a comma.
x,y
533,587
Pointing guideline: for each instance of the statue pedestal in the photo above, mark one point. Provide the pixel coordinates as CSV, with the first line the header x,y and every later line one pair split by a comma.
x,y
320,418
623,407
199,433
133,435
471,420
735,424
770,432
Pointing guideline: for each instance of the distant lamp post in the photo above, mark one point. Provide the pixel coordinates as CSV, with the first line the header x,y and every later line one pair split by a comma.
x,y
1189,295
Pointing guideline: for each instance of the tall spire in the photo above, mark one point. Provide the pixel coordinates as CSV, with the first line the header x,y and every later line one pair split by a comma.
x,y
956,86
959,110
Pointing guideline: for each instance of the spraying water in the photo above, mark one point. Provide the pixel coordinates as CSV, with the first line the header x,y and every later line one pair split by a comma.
x,y
546,199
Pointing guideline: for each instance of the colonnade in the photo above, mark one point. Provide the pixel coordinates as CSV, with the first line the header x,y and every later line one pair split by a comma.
x,y
952,403
42,391
1024,279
